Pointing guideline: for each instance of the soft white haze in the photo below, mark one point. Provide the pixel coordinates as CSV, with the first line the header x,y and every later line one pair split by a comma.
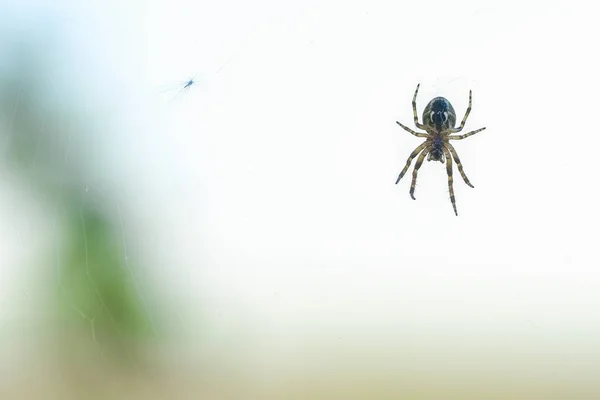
x,y
285,208
285,161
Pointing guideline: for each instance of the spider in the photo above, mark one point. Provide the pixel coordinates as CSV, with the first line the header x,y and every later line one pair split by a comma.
x,y
439,119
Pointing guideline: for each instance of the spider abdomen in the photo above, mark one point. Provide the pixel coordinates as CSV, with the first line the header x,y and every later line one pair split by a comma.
x,y
439,114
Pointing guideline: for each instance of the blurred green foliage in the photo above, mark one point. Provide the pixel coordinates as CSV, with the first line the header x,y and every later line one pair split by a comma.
x,y
45,139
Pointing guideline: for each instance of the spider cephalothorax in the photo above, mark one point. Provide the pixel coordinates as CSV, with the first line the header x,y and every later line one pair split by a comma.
x,y
437,150
439,119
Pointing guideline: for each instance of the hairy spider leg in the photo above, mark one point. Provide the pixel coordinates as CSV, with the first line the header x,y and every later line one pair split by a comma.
x,y
414,105
464,120
458,163
449,171
418,134
416,171
466,135
410,158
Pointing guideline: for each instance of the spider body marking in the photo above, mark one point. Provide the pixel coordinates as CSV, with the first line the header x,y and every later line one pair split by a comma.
x,y
439,120
439,115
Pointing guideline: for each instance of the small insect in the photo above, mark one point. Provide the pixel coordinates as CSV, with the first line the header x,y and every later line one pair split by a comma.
x,y
187,84
439,119
177,90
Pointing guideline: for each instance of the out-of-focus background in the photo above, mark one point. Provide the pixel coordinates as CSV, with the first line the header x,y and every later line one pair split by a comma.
x,y
197,201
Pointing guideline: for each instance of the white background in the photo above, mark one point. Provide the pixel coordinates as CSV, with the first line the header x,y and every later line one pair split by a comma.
x,y
267,189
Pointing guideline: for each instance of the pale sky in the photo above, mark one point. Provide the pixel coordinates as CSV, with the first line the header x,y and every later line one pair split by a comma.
x,y
286,162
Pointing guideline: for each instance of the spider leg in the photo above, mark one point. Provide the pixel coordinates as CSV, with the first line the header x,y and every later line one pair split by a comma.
x,y
449,171
464,120
410,158
416,171
458,163
466,135
418,134
414,105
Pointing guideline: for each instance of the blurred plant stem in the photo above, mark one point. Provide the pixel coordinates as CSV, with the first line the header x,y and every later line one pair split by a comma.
x,y
45,143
